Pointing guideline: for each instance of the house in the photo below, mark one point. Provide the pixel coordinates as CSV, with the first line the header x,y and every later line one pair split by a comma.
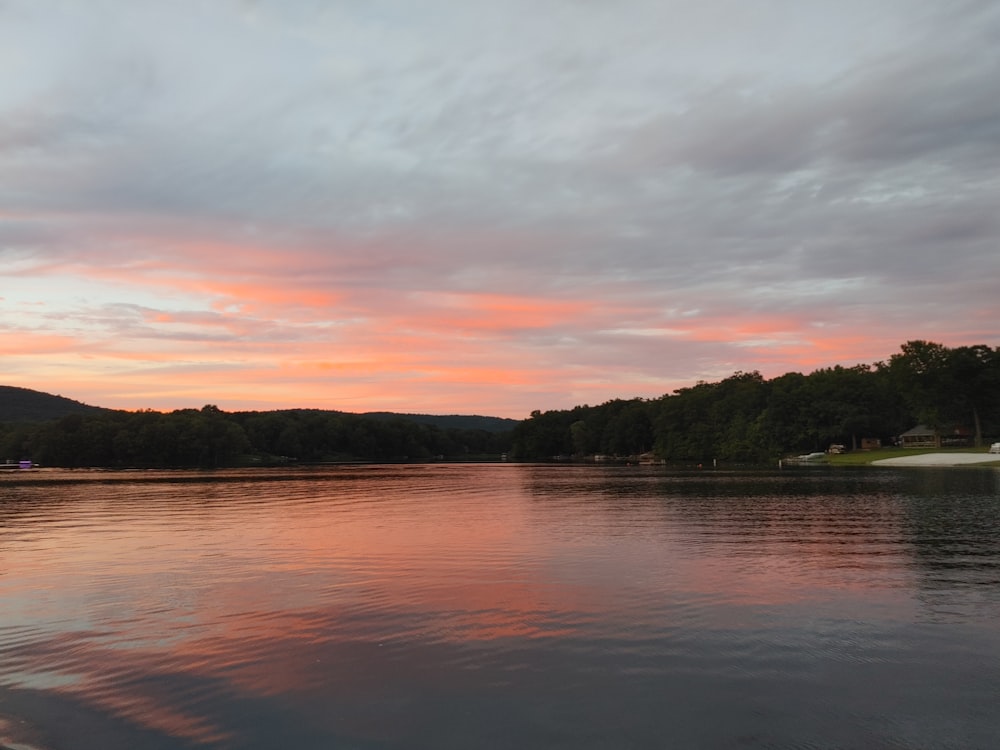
x,y
870,443
920,436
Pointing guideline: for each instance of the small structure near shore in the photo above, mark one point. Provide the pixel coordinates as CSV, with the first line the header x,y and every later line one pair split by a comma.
x,y
920,436
923,436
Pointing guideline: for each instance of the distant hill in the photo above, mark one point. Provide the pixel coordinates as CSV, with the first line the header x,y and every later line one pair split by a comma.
x,y
456,421
26,405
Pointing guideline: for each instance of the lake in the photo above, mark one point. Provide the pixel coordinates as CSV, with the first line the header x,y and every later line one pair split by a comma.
x,y
500,606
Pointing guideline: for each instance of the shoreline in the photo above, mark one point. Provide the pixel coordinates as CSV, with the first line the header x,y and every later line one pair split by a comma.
x,y
940,459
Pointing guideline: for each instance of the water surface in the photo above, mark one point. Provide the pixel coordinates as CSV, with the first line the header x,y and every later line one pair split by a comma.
x,y
501,606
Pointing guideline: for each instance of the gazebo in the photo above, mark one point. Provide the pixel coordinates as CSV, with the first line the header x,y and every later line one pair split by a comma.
x,y
920,436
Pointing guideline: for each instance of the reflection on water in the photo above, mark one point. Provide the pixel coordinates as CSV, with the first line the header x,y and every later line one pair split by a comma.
x,y
500,606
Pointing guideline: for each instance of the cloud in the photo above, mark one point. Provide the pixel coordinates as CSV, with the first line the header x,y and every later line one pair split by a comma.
x,y
489,202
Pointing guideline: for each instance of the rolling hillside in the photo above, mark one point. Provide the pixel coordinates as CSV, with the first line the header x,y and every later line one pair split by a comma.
x,y
456,421
26,405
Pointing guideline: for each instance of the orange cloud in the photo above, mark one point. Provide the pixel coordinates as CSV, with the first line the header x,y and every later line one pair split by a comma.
x,y
34,343
490,312
247,325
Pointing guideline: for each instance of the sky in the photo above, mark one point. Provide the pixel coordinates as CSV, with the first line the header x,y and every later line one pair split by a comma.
x,y
487,206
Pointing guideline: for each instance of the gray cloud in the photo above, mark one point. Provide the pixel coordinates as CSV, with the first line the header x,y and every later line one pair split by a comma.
x,y
825,161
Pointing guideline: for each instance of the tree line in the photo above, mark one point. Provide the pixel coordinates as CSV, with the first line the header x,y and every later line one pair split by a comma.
x,y
210,438
745,418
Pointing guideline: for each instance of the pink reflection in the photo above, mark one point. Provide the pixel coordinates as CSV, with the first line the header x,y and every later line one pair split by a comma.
x,y
222,586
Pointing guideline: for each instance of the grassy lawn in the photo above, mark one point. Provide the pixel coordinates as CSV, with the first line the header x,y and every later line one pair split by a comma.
x,y
858,458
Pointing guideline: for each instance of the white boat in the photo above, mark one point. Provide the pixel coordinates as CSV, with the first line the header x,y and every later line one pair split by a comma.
x,y
24,464
806,458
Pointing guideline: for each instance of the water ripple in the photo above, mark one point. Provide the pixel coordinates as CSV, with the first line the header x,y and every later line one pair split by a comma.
x,y
499,606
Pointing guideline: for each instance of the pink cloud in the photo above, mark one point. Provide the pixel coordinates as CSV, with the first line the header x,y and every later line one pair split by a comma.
x,y
255,325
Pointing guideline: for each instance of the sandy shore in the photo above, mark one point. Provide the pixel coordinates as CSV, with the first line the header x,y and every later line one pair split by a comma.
x,y
939,459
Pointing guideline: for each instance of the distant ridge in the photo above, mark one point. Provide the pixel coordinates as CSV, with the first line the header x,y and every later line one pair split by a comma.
x,y
451,421
26,405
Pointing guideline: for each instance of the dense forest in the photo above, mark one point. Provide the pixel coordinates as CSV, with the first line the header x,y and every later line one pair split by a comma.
x,y
209,437
746,418
743,418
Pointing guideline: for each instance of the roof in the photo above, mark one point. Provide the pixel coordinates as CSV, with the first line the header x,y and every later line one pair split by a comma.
x,y
920,429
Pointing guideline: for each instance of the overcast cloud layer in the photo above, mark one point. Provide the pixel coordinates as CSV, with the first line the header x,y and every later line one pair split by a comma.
x,y
487,207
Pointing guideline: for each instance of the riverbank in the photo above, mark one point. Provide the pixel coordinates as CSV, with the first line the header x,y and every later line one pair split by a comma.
x,y
941,459
916,457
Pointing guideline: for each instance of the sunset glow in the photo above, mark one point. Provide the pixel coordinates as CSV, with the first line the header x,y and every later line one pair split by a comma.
x,y
486,209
